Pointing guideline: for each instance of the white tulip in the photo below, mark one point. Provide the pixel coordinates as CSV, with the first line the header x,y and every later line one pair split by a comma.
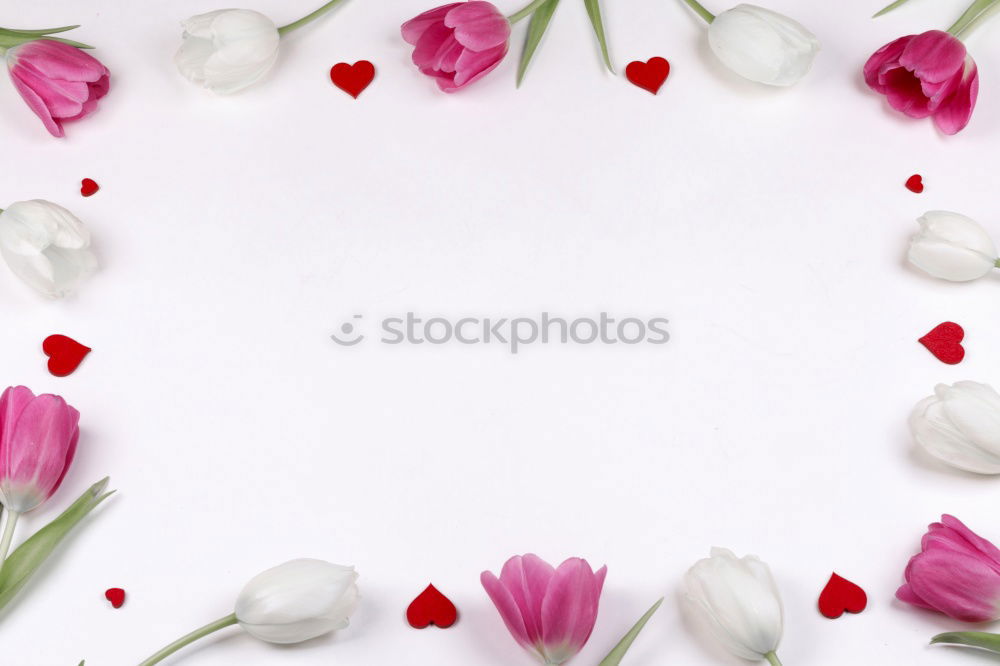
x,y
960,425
738,601
227,50
762,45
298,600
46,246
952,247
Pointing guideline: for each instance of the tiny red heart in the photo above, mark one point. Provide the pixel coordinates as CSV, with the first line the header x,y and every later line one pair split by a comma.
x,y
945,342
915,183
841,595
648,75
65,354
431,607
89,187
116,596
352,79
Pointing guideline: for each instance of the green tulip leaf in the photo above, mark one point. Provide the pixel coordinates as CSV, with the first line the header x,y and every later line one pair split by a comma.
x,y
976,639
886,10
618,653
30,555
536,28
42,32
594,12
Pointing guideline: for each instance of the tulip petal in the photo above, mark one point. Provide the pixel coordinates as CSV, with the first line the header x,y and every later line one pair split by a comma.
x,y
37,105
414,29
954,114
508,608
883,60
569,610
473,65
478,25
934,56
59,62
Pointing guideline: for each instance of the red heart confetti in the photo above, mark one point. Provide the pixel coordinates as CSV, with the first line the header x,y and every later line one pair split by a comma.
x,y
116,596
65,354
431,607
915,183
88,187
352,79
841,595
648,75
945,342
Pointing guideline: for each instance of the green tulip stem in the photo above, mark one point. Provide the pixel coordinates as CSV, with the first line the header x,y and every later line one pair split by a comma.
x,y
8,535
974,16
526,11
700,10
772,659
195,635
308,18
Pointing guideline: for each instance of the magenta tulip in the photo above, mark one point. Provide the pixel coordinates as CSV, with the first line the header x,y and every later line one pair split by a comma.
x,y
924,75
58,81
550,612
458,44
38,436
956,573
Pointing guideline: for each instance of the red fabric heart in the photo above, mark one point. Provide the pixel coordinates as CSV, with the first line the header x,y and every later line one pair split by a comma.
x,y
945,342
915,183
648,75
88,187
65,354
431,607
352,79
116,596
841,595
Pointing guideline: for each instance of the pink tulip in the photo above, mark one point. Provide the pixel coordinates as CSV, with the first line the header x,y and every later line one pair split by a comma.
x,y
956,573
38,436
459,43
58,81
550,612
927,75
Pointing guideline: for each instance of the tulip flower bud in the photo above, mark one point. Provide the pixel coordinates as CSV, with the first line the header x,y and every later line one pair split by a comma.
x,y
762,45
956,573
227,50
38,436
952,247
738,601
960,425
298,600
46,246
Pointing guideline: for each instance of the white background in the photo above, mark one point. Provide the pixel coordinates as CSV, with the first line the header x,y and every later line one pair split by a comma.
x,y
238,233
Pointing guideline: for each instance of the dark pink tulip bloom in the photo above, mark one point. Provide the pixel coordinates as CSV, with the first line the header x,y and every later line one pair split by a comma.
x,y
58,81
550,612
924,75
956,573
38,436
458,44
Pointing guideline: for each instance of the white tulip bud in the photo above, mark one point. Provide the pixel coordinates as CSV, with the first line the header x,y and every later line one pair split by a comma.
x,y
960,425
952,247
298,600
227,50
46,246
762,45
738,602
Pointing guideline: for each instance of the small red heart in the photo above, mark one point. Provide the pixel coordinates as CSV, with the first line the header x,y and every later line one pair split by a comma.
x,y
945,342
65,354
116,596
841,595
431,607
915,183
648,75
352,79
89,187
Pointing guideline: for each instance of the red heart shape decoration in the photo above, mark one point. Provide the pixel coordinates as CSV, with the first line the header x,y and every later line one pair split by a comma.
x,y
89,187
352,79
431,607
915,183
945,342
648,75
841,595
116,596
65,354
